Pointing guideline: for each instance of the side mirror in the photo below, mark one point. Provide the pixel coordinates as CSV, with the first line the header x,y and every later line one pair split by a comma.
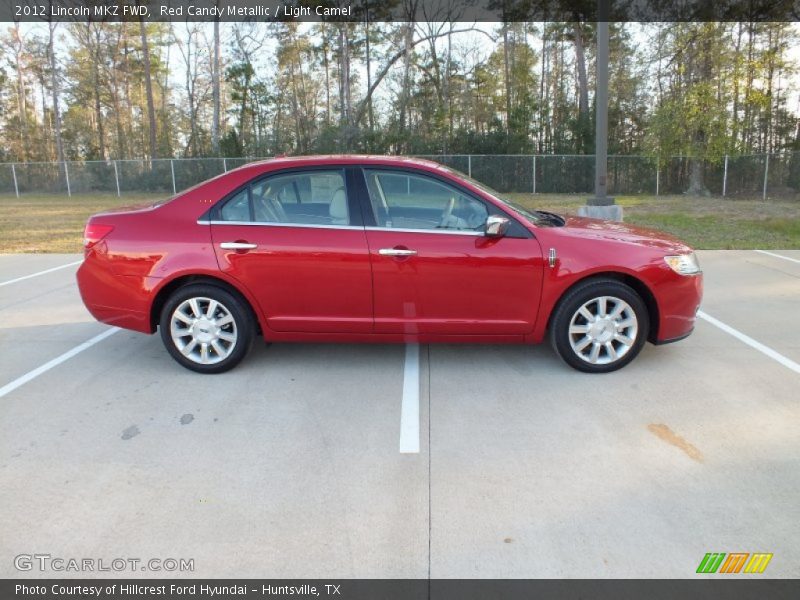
x,y
496,226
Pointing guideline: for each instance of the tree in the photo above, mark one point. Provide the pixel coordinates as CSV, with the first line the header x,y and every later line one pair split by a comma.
x,y
692,118
215,89
54,87
583,126
428,84
294,56
628,93
196,87
148,85
248,40
18,114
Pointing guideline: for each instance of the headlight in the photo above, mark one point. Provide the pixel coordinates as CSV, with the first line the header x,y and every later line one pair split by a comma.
x,y
684,264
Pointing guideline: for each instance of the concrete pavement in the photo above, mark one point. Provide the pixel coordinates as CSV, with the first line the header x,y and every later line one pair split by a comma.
x,y
289,465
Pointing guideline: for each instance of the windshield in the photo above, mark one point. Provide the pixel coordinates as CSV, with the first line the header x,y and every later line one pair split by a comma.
x,y
535,216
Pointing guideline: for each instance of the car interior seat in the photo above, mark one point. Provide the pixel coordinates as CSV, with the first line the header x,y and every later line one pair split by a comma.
x,y
338,208
278,209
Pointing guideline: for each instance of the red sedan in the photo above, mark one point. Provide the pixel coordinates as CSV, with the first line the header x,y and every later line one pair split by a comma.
x,y
380,249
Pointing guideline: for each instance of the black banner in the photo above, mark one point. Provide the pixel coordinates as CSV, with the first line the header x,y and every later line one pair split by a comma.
x,y
733,588
399,10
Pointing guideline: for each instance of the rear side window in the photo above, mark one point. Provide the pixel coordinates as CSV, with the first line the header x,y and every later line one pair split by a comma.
x,y
237,208
299,198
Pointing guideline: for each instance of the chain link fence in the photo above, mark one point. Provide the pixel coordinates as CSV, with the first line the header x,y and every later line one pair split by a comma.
x,y
744,176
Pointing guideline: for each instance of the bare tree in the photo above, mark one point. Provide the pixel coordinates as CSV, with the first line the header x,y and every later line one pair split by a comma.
x,y
249,39
94,30
360,109
215,90
506,72
148,84
17,50
410,8
54,85
189,49
344,75
368,60
580,64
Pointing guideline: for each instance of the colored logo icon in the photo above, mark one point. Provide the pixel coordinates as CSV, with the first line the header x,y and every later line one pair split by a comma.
x,y
736,562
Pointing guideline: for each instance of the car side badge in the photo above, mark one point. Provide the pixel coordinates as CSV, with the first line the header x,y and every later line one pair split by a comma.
x,y
552,257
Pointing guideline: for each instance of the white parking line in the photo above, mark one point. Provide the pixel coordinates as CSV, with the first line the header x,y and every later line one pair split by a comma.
x,y
776,356
778,256
409,411
20,381
45,272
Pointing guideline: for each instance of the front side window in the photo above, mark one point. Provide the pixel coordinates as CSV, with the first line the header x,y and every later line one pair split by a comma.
x,y
410,201
304,198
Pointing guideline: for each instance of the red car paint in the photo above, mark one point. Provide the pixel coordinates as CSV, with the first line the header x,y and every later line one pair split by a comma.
x,y
309,283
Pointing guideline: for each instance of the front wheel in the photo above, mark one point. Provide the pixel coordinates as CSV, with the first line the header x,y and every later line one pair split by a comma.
x,y
600,326
206,329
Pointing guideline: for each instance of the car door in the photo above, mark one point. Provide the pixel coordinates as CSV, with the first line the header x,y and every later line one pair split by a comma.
x,y
296,241
434,271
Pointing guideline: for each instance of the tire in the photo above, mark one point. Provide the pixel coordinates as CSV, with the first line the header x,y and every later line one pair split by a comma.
x,y
206,328
615,337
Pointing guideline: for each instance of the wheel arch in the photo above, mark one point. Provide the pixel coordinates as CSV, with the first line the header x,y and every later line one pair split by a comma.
x,y
639,286
168,288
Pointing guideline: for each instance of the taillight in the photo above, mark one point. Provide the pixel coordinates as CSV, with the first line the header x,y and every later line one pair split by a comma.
x,y
94,233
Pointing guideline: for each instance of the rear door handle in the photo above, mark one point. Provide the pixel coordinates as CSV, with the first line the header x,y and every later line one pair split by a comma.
x,y
396,252
238,246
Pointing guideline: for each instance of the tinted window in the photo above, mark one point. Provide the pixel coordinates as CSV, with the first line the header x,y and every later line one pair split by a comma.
x,y
237,208
306,198
410,201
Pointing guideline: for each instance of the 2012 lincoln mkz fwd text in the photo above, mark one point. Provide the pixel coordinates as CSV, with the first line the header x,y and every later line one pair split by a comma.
x,y
380,249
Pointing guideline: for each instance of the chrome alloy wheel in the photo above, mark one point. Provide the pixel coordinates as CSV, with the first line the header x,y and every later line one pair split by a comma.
x,y
603,330
203,330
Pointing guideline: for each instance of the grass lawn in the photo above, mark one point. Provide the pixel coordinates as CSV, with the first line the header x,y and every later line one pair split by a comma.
x,y
49,223
703,223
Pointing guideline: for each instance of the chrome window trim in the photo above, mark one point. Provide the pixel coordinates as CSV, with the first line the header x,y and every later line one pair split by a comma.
x,y
315,226
258,224
434,231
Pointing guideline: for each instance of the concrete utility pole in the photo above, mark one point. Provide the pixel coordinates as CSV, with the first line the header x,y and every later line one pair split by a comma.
x,y
601,206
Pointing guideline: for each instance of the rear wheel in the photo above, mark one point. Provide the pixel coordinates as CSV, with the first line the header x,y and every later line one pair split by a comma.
x,y
600,326
206,329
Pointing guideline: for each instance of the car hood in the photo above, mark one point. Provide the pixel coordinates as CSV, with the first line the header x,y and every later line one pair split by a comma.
x,y
614,231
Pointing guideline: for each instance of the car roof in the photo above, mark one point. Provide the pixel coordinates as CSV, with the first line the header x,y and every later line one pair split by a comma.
x,y
361,159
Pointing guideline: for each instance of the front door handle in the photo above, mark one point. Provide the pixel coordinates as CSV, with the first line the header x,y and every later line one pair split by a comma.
x,y
238,246
396,252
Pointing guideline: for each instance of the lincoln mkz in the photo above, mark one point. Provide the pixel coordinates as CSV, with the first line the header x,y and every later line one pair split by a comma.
x,y
380,249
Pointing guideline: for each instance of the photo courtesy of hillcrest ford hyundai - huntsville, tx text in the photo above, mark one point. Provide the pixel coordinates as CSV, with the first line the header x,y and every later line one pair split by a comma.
x,y
380,249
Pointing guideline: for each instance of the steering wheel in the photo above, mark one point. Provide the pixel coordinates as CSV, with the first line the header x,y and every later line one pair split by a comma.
x,y
448,211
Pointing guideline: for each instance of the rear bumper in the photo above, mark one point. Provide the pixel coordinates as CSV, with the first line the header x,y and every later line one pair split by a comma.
x,y
117,300
110,315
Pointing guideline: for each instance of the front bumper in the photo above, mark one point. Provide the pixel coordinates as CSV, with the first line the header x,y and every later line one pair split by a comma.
x,y
679,298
